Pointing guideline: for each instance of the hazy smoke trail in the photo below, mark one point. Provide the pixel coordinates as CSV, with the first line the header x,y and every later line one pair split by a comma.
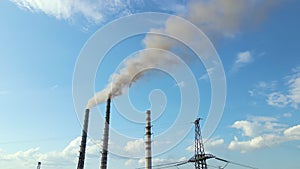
x,y
131,72
217,18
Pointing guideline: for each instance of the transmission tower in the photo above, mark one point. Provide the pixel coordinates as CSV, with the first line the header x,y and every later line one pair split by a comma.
x,y
200,156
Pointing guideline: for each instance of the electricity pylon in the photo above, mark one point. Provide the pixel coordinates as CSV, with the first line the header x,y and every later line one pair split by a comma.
x,y
200,156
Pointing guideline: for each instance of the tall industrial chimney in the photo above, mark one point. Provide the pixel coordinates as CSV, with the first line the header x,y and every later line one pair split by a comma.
x,y
39,165
83,140
148,158
105,136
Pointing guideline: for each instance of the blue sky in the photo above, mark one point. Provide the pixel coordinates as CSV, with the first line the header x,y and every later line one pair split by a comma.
x,y
257,42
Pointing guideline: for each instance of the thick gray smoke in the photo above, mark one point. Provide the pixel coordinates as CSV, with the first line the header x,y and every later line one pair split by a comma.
x,y
217,18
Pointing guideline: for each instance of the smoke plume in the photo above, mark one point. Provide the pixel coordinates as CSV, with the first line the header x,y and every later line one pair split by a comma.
x,y
219,18
216,18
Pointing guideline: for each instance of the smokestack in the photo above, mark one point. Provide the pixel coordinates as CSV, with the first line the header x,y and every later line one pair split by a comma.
x,y
83,140
148,158
39,165
105,136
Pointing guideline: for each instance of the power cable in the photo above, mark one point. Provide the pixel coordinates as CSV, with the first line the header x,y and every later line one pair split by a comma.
x,y
235,163
167,165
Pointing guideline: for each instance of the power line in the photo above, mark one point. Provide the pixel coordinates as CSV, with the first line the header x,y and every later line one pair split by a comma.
x,y
235,163
168,165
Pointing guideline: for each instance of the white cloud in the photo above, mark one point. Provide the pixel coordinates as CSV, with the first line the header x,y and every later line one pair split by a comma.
x,y
293,133
247,127
208,144
190,148
289,98
204,77
95,11
262,132
254,143
289,95
262,88
129,162
258,125
242,59
64,159
135,147
64,9
267,86
294,87
277,99
215,143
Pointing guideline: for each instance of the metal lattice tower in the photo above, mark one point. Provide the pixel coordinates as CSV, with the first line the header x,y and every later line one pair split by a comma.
x,y
200,160
200,157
